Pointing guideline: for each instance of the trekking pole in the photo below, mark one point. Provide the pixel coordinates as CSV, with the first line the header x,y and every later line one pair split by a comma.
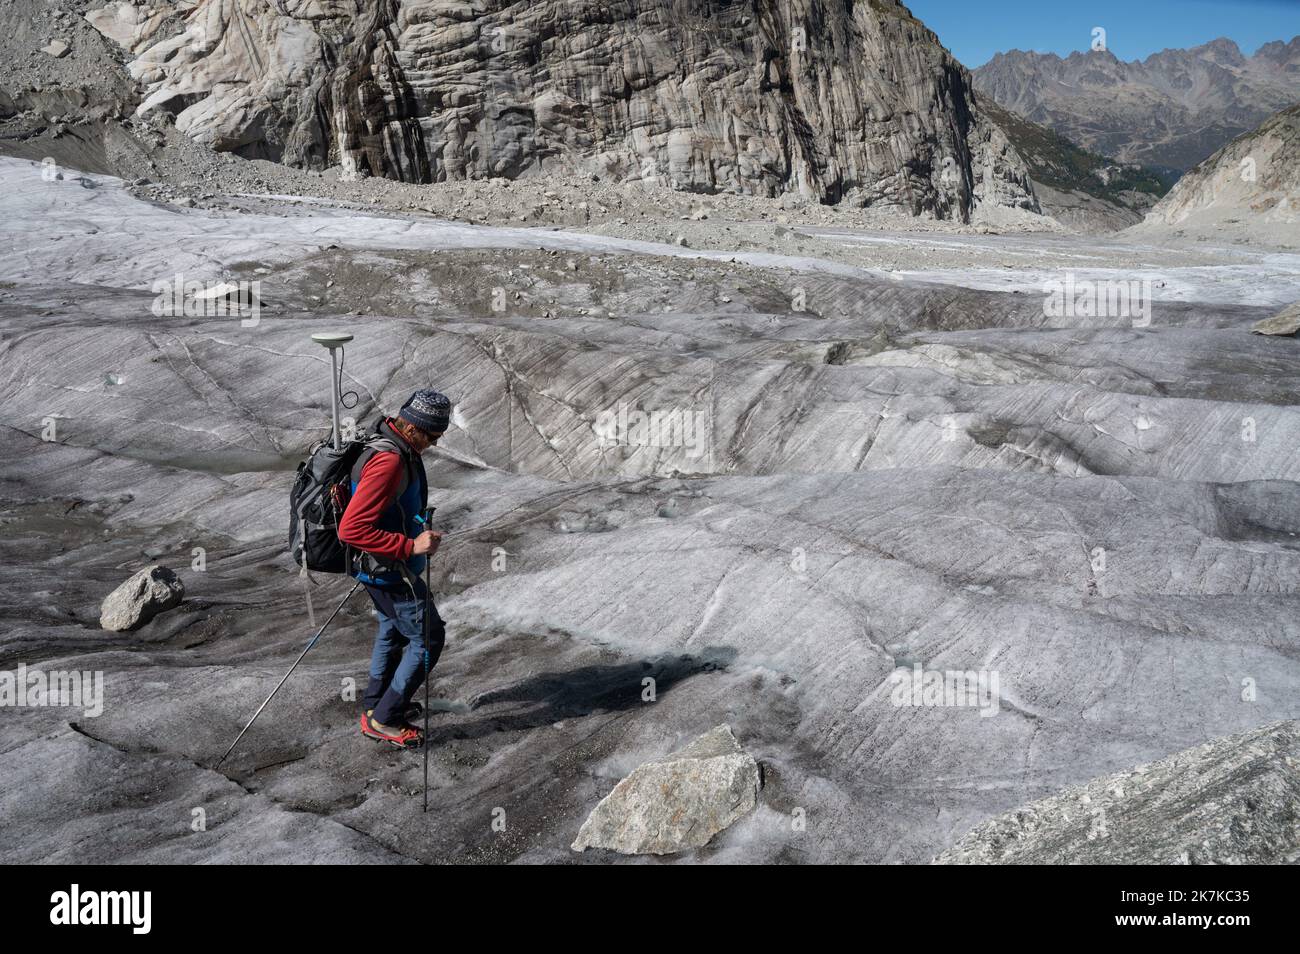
x,y
426,685
425,518
288,674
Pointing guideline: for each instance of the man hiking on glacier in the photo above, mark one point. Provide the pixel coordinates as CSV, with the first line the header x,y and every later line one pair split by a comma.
x,y
383,521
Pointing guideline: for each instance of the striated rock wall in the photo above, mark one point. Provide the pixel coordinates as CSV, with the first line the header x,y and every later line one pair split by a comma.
x,y
838,102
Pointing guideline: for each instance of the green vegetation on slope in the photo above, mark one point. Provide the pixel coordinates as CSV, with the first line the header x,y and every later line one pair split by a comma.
x,y
1055,161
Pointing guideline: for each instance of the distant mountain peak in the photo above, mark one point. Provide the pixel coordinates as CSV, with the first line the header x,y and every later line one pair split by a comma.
x,y
1280,49
1220,44
1221,50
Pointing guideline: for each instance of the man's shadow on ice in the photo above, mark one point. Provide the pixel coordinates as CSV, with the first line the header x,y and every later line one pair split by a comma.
x,y
579,692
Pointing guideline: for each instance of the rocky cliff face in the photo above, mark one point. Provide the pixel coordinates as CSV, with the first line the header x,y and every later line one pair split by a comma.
x,y
836,102
1172,109
1250,188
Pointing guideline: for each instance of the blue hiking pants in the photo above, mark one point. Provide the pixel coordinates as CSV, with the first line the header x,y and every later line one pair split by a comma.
x,y
397,664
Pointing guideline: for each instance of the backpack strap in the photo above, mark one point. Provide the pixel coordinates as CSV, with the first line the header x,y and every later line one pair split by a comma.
x,y
377,442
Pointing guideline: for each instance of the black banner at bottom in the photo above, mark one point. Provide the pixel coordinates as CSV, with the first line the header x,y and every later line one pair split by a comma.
x,y
303,904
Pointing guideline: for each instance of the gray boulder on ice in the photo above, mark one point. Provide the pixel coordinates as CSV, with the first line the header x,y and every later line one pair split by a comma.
x,y
1231,801
1285,322
146,594
677,802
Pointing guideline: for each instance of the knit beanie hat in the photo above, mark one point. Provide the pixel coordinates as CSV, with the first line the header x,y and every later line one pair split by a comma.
x,y
429,410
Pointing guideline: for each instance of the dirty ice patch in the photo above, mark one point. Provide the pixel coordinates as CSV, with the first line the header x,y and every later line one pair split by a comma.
x,y
101,234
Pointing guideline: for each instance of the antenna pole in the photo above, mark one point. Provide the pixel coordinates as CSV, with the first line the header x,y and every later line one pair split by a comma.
x,y
335,398
334,341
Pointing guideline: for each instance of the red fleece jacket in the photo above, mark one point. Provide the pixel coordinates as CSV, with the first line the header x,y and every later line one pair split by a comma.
x,y
375,493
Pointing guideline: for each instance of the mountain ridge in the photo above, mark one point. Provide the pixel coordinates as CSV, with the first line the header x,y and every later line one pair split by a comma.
x,y
1168,111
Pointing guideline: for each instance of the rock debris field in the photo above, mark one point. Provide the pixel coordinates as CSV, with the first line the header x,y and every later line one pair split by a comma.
x,y
686,487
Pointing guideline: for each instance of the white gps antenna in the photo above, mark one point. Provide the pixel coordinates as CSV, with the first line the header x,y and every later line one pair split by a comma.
x,y
334,340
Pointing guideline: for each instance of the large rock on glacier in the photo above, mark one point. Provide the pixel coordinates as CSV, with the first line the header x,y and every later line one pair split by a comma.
x,y
141,598
677,802
840,103
1285,322
1231,801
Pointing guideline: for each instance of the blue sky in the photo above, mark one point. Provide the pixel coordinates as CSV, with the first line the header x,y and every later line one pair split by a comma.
x,y
975,30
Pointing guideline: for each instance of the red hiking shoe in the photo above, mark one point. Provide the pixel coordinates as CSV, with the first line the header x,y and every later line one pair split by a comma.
x,y
407,737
